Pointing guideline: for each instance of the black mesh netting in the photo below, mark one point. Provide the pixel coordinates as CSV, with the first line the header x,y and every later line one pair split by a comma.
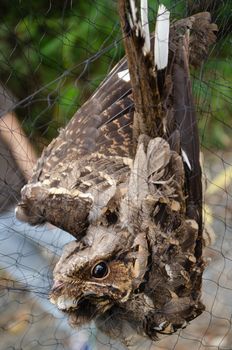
x,y
53,55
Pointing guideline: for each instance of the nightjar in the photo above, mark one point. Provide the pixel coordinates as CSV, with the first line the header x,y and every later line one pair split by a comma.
x,y
124,178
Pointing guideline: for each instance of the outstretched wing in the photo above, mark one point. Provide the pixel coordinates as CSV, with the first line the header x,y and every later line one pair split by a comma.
x,y
80,170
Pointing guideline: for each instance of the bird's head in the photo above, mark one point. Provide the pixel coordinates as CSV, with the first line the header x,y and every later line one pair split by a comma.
x,y
97,272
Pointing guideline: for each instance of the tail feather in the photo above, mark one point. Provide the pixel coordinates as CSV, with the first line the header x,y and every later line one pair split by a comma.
x,y
161,46
145,27
148,115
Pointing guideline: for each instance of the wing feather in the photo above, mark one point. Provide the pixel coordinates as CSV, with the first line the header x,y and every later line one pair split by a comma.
x,y
101,132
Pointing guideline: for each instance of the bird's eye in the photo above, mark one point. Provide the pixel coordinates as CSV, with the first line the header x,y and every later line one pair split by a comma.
x,y
100,270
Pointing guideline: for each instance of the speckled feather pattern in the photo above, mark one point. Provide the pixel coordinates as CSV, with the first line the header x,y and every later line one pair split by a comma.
x,y
127,186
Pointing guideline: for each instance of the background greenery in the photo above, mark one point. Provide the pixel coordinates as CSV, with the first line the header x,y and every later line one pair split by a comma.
x,y
53,55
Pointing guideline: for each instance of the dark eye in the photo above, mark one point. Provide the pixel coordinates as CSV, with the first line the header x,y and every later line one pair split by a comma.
x,y
100,270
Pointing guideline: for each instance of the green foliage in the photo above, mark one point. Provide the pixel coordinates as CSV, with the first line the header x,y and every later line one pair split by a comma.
x,y
213,92
51,54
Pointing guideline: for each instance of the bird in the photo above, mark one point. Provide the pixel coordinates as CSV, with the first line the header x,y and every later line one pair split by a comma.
x,y
124,179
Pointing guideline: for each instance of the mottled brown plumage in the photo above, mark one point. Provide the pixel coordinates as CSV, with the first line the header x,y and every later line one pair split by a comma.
x,y
129,190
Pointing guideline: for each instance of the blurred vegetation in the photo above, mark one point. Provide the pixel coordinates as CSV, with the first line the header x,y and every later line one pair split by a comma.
x,y
213,88
53,55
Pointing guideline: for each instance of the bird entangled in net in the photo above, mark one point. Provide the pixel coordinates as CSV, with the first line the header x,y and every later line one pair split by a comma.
x,y
53,59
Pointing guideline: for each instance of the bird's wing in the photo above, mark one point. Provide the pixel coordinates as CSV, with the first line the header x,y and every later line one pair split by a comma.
x,y
93,153
104,122
80,169
189,45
